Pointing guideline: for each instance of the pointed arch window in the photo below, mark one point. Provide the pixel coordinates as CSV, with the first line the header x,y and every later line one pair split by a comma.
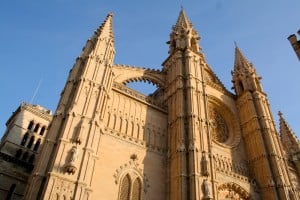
x,y
130,190
136,189
125,188
37,145
31,159
25,138
30,143
19,153
241,87
36,128
25,156
30,126
42,130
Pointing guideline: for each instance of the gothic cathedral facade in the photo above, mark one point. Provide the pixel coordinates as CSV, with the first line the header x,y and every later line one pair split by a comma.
x,y
191,139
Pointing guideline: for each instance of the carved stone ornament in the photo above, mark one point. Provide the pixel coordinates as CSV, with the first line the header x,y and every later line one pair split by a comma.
x,y
204,164
207,189
233,191
70,167
218,126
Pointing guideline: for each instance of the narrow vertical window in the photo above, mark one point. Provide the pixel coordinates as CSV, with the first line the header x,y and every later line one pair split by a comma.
x,y
136,189
125,188
37,145
25,156
24,140
31,159
19,153
36,128
30,143
43,130
30,126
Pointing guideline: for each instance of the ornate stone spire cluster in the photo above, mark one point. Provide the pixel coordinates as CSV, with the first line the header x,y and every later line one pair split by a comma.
x,y
244,76
183,36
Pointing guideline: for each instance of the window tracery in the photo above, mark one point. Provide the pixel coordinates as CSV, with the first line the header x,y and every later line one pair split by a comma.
x,y
130,190
218,126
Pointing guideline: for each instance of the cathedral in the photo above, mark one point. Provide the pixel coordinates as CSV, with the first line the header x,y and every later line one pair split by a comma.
x,y
191,139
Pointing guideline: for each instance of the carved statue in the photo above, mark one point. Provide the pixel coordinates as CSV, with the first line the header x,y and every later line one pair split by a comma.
x,y
74,154
70,167
204,164
206,189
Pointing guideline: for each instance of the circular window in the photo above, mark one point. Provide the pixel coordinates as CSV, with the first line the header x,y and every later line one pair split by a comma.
x,y
218,126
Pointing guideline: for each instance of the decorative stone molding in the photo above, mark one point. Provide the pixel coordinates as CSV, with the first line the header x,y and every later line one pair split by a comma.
x,y
233,191
126,74
131,168
226,122
70,167
227,166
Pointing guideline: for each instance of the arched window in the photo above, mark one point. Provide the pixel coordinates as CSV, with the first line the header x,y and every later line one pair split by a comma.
x,y
30,126
24,140
43,130
25,156
136,190
31,159
37,145
125,188
241,87
130,190
36,128
19,153
30,143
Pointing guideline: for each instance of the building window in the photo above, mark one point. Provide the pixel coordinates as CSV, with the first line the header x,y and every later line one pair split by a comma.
x,y
30,126
136,190
37,145
19,153
130,190
43,130
24,140
36,128
25,156
125,188
31,159
30,143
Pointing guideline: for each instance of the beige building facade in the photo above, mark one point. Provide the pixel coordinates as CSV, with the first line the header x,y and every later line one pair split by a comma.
x,y
190,139
19,147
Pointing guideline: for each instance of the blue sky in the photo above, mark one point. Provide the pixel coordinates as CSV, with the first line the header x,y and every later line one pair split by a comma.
x,y
41,39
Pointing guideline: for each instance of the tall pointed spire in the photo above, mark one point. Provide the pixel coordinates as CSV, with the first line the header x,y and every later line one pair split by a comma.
x,y
288,138
106,28
104,32
183,35
182,20
244,76
239,58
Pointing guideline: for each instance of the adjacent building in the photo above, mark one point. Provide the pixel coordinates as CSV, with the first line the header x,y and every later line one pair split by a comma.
x,y
190,139
19,147
295,43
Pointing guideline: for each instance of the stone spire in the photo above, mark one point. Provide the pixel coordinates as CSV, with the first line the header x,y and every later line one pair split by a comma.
x,y
288,138
244,76
240,60
103,33
183,35
183,21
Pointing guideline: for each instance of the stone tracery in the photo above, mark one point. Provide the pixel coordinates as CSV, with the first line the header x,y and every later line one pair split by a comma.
x,y
232,191
219,127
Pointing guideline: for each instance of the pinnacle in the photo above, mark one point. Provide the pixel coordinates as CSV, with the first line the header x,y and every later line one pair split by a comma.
x,y
183,20
239,58
106,30
286,132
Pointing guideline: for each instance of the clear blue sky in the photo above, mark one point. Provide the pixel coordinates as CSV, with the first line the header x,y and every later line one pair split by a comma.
x,y
41,39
